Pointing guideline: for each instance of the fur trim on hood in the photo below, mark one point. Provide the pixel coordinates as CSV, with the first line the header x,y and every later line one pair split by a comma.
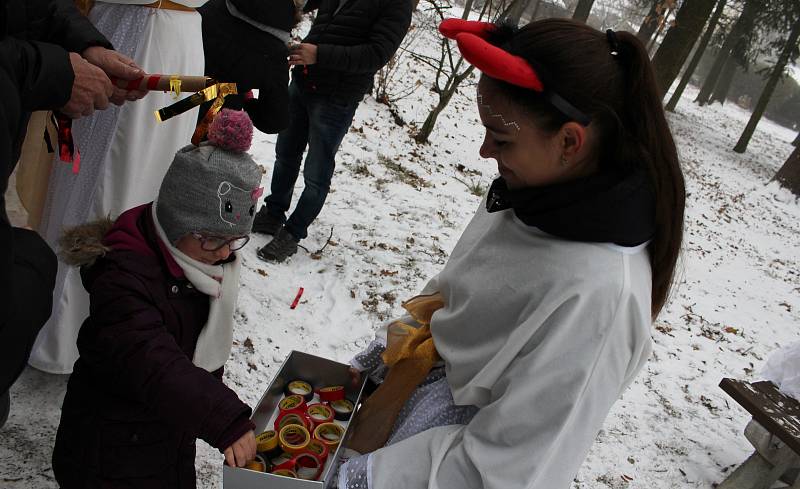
x,y
82,245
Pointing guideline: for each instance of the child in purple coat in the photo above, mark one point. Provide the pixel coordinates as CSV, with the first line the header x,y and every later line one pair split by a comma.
x,y
163,280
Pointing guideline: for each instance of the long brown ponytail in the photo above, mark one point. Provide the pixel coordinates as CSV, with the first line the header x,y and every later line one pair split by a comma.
x,y
644,118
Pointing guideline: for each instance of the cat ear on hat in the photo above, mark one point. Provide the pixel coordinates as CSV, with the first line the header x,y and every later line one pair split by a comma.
x,y
231,130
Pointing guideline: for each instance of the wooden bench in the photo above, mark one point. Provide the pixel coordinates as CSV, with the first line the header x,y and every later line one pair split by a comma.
x,y
774,432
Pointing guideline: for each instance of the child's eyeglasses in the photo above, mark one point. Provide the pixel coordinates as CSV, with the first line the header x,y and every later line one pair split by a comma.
x,y
214,243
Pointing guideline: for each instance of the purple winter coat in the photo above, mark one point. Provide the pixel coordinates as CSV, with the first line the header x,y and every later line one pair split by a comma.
x,y
135,402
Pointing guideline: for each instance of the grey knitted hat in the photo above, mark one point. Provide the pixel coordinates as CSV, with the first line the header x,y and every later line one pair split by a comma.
x,y
212,188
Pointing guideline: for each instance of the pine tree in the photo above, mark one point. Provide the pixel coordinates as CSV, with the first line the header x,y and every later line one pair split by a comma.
x,y
789,51
582,10
650,22
789,174
678,42
742,27
698,54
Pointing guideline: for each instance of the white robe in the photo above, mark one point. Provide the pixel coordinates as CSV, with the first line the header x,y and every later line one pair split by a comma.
x,y
543,335
140,152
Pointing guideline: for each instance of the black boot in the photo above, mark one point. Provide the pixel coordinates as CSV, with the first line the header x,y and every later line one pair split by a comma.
x,y
266,223
282,246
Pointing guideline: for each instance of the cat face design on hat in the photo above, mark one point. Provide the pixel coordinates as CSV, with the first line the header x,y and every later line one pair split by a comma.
x,y
236,202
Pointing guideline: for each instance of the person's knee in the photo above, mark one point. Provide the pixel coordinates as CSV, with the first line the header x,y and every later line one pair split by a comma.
x,y
290,147
317,186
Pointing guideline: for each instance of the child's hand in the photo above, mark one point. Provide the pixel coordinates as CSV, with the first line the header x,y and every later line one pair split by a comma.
x,y
355,377
242,451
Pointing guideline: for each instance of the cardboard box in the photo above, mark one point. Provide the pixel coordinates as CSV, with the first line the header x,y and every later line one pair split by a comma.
x,y
320,372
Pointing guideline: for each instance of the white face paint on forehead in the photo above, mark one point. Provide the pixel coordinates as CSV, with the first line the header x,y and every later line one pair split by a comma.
x,y
492,113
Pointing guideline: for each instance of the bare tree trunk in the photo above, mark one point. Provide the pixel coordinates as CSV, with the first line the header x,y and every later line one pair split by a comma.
x,y
661,24
650,23
737,59
582,10
766,94
536,10
789,174
724,82
516,11
743,25
698,55
679,40
444,98
468,8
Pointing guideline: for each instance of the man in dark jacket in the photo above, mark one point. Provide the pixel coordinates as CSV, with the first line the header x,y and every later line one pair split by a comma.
x,y
349,41
40,69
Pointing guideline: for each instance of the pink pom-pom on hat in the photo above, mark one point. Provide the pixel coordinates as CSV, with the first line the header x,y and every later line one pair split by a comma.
x,y
231,130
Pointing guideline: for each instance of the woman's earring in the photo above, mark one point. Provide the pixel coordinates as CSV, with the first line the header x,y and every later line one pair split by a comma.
x,y
563,160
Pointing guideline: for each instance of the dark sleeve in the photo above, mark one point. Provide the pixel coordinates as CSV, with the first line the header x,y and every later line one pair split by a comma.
x,y
384,38
70,29
41,72
39,64
10,122
311,5
126,340
270,111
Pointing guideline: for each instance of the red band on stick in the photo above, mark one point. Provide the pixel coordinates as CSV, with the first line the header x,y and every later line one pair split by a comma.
x,y
297,298
160,82
152,81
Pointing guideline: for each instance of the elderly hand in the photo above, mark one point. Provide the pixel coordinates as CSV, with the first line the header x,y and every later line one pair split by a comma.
x,y
302,54
118,66
242,451
91,89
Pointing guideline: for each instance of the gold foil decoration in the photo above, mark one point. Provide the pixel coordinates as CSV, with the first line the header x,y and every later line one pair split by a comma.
x,y
175,86
201,130
217,90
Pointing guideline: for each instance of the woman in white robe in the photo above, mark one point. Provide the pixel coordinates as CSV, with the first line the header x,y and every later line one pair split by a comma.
x,y
124,151
546,303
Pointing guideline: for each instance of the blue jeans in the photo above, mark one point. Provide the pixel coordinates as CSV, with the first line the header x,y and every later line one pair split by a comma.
x,y
321,123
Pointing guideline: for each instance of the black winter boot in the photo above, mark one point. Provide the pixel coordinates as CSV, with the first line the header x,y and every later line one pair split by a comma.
x,y
282,246
266,223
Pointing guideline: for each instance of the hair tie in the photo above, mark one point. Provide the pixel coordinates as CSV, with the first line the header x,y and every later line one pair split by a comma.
x,y
611,36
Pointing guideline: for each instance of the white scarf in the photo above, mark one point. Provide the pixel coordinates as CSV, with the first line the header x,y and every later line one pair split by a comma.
x,y
221,284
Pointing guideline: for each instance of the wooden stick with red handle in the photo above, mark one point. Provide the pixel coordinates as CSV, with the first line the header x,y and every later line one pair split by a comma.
x,y
165,83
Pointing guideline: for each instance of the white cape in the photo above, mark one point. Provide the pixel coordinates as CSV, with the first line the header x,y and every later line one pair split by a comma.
x,y
543,335
140,152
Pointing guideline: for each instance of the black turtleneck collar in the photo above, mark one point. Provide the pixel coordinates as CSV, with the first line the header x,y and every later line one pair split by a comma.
x,y
600,208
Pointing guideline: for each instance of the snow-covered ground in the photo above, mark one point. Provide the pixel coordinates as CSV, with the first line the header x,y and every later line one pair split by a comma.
x,y
397,209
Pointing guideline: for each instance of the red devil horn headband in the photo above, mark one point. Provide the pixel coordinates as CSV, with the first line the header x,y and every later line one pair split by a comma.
x,y
491,60
498,63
